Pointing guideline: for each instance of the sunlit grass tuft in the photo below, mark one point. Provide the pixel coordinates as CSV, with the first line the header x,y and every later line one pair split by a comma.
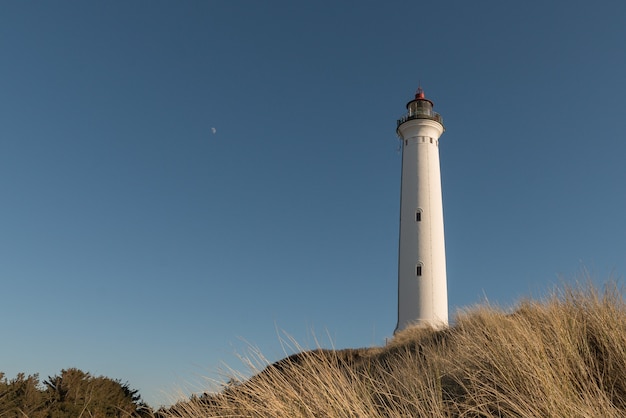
x,y
561,357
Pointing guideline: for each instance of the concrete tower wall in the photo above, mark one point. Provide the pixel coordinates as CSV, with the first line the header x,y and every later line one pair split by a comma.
x,y
422,288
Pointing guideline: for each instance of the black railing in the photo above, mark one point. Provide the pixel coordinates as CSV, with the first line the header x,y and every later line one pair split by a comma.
x,y
432,116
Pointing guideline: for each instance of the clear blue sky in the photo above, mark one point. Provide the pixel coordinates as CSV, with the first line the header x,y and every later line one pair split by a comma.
x,y
177,177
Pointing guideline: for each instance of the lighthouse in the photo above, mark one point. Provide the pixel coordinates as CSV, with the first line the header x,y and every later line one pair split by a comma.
x,y
422,288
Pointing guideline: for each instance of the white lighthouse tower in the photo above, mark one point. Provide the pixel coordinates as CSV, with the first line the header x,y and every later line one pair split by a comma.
x,y
422,289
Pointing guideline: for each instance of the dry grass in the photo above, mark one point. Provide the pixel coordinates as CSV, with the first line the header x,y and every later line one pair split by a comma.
x,y
562,357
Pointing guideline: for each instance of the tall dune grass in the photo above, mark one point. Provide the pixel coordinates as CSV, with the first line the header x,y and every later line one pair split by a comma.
x,y
561,357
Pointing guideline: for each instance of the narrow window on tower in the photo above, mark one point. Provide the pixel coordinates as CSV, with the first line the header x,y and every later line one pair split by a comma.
x,y
418,215
431,140
418,270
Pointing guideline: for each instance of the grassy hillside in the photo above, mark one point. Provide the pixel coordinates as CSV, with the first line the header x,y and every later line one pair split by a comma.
x,y
561,357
